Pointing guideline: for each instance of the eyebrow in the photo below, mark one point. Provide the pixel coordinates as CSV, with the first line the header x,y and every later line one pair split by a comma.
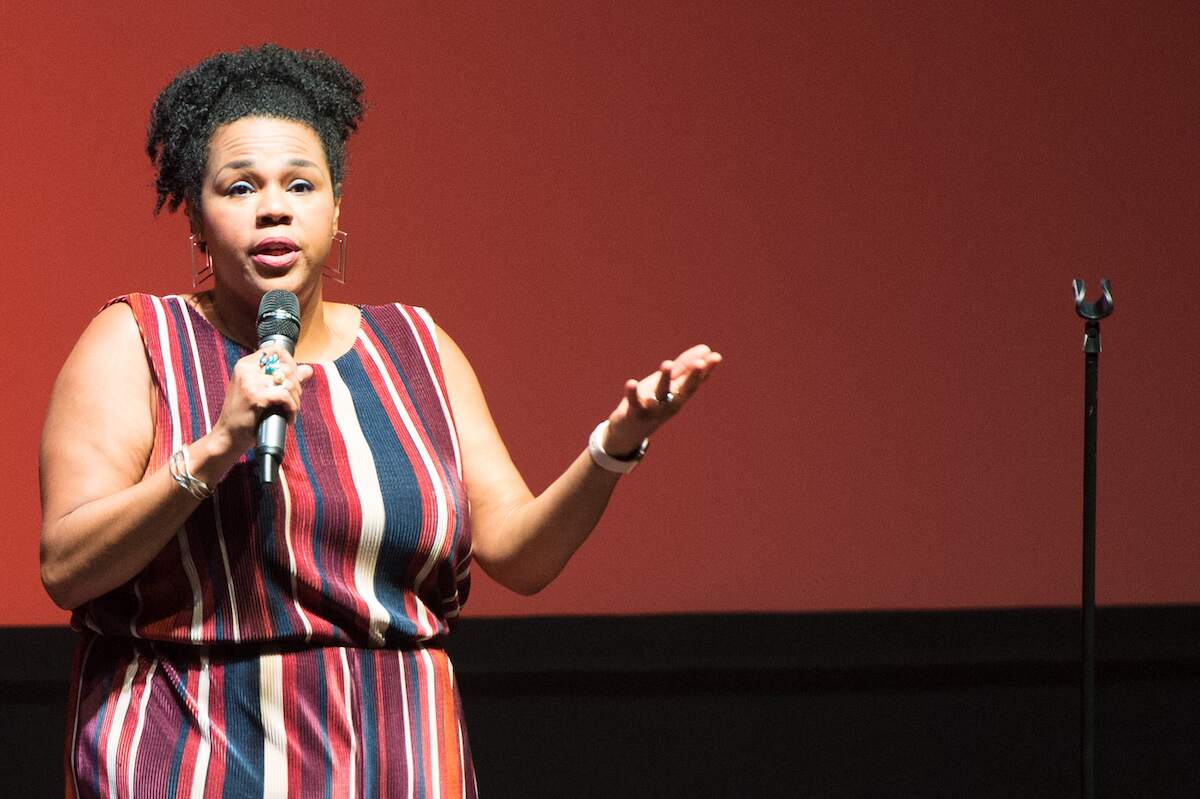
x,y
248,162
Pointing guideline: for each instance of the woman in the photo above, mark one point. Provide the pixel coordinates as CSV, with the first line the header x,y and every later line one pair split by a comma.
x,y
247,639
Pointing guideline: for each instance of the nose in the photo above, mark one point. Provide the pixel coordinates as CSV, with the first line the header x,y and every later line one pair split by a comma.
x,y
273,207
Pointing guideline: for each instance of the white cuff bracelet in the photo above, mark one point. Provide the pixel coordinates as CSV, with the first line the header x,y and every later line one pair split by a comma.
x,y
606,461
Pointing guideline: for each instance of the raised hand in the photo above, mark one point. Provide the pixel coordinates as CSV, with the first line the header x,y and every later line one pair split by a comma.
x,y
266,378
657,397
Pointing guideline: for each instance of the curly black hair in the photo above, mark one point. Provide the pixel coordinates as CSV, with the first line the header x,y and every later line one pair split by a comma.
x,y
271,81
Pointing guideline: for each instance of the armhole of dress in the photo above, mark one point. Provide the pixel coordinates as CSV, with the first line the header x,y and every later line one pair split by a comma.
x,y
432,328
138,307
439,379
143,315
435,361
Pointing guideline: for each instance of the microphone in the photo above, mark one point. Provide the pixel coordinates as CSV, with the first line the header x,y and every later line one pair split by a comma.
x,y
278,323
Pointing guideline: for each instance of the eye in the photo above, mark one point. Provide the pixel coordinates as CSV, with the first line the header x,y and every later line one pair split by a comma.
x,y
239,188
300,185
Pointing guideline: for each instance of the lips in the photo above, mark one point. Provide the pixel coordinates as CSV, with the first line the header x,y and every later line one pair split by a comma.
x,y
275,253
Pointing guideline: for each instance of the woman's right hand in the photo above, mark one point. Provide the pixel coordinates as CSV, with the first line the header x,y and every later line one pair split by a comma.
x,y
251,392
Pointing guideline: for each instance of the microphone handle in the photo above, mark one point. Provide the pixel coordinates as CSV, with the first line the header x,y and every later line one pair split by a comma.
x,y
272,427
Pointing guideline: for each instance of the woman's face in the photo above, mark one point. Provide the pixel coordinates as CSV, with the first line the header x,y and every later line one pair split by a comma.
x,y
267,211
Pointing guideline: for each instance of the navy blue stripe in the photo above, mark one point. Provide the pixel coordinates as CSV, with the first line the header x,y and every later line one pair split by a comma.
x,y
178,333
318,495
176,760
244,761
401,495
416,727
369,721
95,746
276,578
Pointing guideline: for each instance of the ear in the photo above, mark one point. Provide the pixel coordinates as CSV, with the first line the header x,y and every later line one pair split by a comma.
x,y
195,225
337,212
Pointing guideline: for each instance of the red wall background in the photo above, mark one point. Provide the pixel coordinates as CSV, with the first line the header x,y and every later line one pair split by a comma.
x,y
874,210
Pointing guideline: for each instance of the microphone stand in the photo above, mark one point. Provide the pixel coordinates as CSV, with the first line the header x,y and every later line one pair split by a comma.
x,y
1091,313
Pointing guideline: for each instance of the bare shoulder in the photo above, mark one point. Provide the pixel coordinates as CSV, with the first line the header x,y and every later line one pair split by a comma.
x,y
446,345
461,383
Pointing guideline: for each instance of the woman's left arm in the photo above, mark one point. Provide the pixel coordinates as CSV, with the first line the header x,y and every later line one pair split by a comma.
x,y
524,541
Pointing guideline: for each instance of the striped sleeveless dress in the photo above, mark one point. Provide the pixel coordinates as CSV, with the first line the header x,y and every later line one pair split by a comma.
x,y
286,642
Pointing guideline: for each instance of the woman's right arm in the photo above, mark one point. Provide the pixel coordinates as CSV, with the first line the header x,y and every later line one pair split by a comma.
x,y
103,517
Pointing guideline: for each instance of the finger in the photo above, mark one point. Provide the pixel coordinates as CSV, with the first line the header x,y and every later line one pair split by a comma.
x,y
706,364
690,355
701,368
664,381
688,385
631,394
304,372
285,397
277,350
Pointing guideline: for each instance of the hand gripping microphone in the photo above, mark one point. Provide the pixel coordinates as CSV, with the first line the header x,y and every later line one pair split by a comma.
x,y
278,323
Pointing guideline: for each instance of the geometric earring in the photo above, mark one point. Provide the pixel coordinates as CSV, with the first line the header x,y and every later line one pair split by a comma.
x,y
203,270
337,272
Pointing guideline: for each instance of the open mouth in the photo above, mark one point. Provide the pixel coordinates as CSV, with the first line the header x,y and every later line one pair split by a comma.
x,y
275,253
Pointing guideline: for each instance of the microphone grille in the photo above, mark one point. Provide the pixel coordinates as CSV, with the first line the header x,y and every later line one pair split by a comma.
x,y
279,315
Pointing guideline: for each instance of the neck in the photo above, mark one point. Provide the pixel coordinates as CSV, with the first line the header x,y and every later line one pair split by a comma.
x,y
237,318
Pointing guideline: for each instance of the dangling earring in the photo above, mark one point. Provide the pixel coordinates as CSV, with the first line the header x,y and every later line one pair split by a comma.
x,y
202,267
337,273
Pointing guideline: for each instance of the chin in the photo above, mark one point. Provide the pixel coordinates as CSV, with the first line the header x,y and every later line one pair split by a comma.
x,y
293,281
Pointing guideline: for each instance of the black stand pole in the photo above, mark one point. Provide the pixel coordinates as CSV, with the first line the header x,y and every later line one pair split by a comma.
x,y
1092,313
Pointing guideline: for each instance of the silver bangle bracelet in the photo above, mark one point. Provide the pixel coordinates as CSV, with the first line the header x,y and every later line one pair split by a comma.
x,y
180,466
608,462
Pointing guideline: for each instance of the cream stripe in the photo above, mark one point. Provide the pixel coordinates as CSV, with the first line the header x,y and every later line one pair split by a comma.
x,y
78,701
189,566
203,751
187,321
435,749
117,725
408,731
435,721
185,553
435,479
233,604
366,484
349,723
164,344
216,501
148,683
287,537
270,692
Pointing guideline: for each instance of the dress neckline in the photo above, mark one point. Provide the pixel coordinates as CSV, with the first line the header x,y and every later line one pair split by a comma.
x,y
362,322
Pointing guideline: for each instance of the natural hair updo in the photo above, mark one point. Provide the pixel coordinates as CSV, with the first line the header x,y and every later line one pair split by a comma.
x,y
270,81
